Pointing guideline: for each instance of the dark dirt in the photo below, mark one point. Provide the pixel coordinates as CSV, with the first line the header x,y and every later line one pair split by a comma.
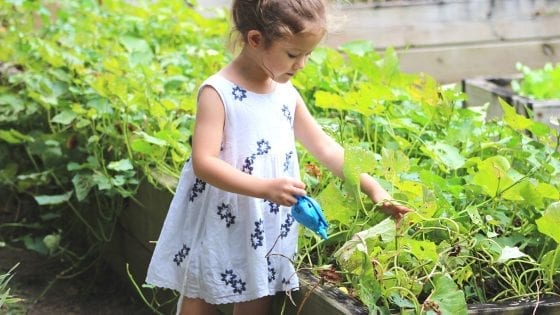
x,y
95,292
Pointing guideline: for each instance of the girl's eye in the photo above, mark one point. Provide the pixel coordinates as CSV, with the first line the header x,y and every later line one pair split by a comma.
x,y
293,56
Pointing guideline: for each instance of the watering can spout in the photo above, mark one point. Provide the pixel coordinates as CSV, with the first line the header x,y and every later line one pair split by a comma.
x,y
307,212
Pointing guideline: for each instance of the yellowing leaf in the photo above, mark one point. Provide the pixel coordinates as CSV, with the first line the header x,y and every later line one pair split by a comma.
x,y
513,119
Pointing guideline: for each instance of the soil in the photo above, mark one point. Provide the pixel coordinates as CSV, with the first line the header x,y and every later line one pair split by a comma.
x,y
95,292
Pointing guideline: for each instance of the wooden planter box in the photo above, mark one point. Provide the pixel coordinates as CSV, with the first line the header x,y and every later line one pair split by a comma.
x,y
482,90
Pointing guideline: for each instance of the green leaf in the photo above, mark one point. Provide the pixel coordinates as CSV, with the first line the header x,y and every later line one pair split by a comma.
x,y
423,250
492,175
447,297
385,229
44,200
446,154
103,182
357,47
82,185
65,117
13,136
122,165
357,161
151,139
550,221
35,244
334,206
513,119
325,99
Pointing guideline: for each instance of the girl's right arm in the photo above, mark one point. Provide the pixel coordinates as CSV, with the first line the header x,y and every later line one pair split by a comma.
x,y
207,165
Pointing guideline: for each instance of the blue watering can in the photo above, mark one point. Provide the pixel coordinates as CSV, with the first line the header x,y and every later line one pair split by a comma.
x,y
308,213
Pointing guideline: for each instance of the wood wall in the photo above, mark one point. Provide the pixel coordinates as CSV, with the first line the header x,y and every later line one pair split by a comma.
x,y
452,39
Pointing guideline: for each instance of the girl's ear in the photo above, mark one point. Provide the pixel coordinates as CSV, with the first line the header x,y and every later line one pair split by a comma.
x,y
254,38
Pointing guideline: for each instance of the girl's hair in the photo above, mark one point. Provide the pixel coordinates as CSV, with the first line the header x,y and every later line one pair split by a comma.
x,y
275,18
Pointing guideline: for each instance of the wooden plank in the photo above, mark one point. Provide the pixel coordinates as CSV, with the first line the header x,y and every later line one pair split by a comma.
x,y
448,23
454,63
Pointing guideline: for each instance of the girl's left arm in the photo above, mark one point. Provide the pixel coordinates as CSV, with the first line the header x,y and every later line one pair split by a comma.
x,y
331,154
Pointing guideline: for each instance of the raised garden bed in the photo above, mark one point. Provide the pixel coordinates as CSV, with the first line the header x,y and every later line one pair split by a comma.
x,y
140,223
482,90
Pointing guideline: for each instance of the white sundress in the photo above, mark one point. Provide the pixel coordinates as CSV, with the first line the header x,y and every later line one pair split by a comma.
x,y
224,247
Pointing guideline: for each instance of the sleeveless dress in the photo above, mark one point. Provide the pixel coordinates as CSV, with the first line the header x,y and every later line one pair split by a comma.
x,y
224,247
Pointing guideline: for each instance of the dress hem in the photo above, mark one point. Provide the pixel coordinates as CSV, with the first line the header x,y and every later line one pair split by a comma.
x,y
229,300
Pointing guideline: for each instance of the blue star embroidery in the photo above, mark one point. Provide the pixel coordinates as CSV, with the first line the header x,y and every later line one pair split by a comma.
x,y
263,147
224,211
285,228
287,160
271,270
257,238
239,93
230,279
197,189
274,207
181,255
287,113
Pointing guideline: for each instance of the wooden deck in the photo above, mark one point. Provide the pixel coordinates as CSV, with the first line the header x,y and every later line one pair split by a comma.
x,y
452,39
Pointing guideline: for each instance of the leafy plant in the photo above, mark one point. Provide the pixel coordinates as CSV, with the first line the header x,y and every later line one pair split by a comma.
x,y
7,300
95,97
463,175
539,84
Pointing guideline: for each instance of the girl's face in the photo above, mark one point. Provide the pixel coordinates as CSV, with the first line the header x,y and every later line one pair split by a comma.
x,y
286,56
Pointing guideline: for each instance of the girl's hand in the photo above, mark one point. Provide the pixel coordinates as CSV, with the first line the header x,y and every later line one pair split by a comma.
x,y
283,191
381,197
394,209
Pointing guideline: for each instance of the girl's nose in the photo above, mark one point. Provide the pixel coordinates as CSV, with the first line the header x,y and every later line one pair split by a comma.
x,y
300,63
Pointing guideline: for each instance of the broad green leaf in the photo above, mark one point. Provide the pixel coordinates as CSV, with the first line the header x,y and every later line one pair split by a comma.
x,y
356,162
35,244
82,185
142,146
492,175
44,200
423,250
394,163
151,139
103,182
448,298
333,203
551,260
65,117
121,165
330,100
446,154
529,192
550,221
548,191
513,119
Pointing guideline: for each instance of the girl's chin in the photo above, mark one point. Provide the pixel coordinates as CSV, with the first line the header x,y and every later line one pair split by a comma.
x,y
283,78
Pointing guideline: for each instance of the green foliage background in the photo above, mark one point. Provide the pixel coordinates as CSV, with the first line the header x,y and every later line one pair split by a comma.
x,y
97,97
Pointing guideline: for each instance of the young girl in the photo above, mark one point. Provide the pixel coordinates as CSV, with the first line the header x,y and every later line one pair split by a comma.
x,y
229,236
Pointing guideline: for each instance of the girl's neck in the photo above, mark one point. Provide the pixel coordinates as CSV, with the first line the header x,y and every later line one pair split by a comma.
x,y
246,72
